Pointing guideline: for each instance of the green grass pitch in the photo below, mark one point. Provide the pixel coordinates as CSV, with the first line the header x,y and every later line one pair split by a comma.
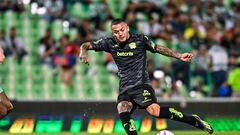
x,y
151,133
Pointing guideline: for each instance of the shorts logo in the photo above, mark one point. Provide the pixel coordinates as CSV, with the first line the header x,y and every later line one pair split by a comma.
x,y
146,99
132,45
146,93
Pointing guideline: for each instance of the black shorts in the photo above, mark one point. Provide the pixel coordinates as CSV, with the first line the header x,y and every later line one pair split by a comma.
x,y
141,96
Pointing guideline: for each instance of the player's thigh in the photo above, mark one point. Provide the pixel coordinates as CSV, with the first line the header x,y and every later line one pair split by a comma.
x,y
143,96
5,101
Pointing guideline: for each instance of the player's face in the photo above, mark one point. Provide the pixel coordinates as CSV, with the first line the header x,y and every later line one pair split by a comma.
x,y
120,31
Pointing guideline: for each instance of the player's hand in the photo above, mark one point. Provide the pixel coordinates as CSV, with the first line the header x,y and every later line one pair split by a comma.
x,y
83,57
186,57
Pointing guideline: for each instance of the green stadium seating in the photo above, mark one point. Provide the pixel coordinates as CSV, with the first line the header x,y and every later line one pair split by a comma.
x,y
88,87
88,92
9,20
1,22
57,29
103,79
30,80
82,69
20,90
115,9
4,68
5,83
73,33
37,91
41,27
72,93
80,11
106,91
55,91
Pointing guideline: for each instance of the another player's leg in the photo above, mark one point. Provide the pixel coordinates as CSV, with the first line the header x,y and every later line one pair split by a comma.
x,y
124,110
5,103
171,113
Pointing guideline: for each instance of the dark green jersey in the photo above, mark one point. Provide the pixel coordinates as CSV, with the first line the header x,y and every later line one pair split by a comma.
x,y
130,58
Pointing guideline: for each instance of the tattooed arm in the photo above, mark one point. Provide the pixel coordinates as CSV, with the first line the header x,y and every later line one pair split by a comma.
x,y
99,45
83,52
170,53
167,52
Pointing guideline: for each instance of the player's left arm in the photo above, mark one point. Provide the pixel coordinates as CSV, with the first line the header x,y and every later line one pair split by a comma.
x,y
151,46
186,57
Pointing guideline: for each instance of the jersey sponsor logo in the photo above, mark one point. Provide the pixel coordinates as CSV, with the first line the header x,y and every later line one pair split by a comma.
x,y
124,54
132,45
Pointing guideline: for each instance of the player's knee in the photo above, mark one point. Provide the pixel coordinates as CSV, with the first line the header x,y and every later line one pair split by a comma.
x,y
150,111
156,113
124,106
153,110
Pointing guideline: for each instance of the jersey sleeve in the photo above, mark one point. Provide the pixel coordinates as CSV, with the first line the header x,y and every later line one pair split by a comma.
x,y
150,45
100,45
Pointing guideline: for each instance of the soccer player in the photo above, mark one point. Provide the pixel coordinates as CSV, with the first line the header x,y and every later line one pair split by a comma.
x,y
5,105
129,53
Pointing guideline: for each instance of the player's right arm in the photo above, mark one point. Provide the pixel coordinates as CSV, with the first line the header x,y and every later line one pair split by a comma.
x,y
83,52
98,45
